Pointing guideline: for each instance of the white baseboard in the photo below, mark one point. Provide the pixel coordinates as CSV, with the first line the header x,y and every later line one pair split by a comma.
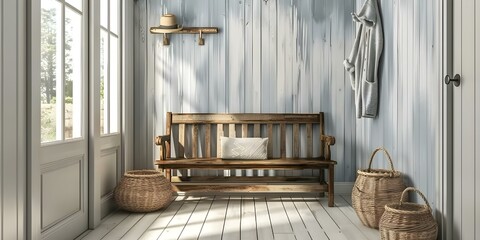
x,y
343,187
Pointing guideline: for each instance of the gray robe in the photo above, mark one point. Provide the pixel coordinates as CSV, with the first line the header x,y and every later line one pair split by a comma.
x,y
362,64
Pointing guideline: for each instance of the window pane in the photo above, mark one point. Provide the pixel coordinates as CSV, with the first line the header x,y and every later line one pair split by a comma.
x,y
73,74
114,85
104,13
114,8
50,48
103,82
76,4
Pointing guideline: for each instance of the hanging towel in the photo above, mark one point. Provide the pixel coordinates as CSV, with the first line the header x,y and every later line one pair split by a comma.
x,y
362,64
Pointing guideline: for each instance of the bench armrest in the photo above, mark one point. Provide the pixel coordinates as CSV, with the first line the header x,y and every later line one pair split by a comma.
x,y
161,141
329,141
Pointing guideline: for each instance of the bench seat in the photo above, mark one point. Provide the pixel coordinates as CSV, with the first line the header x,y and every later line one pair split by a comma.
x,y
218,163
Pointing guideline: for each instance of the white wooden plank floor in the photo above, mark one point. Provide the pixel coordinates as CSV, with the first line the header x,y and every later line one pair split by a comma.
x,y
239,217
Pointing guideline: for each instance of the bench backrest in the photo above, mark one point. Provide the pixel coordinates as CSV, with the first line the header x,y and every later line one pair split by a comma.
x,y
195,135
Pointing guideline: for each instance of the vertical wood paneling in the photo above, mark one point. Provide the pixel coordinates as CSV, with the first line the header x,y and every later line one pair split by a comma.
x,y
385,76
337,120
217,55
196,12
140,72
274,56
236,55
270,56
350,129
467,144
457,111
284,58
409,120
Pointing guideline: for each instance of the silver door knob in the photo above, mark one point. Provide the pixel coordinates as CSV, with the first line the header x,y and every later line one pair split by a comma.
x,y
455,80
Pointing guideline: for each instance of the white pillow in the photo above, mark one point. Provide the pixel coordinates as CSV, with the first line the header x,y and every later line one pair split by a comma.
x,y
244,148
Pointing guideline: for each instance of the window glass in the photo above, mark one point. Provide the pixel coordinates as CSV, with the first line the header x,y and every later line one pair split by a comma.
x,y
73,74
114,8
50,69
104,13
61,73
103,80
114,84
110,77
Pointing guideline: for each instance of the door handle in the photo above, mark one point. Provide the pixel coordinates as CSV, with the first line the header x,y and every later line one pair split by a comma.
x,y
455,80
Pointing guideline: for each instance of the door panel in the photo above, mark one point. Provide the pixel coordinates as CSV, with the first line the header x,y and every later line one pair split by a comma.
x,y
110,169
105,107
58,120
466,184
67,175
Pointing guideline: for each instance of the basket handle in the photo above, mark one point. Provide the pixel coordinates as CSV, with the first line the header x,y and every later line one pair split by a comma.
x,y
418,192
386,153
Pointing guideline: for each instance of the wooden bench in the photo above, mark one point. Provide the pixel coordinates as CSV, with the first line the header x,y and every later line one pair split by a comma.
x,y
296,142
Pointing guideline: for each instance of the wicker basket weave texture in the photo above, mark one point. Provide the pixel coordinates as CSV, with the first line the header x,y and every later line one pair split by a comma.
x,y
373,189
404,220
143,191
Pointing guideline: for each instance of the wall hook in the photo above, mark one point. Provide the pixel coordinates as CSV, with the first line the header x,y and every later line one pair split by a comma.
x,y
166,41
201,40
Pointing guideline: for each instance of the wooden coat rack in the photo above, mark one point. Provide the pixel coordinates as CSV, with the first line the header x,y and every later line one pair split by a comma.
x,y
186,30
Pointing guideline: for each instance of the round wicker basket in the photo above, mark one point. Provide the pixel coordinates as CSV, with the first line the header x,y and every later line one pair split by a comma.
x,y
373,189
143,191
405,220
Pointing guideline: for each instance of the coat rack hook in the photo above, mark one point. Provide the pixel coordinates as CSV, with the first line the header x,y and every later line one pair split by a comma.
x,y
166,41
201,40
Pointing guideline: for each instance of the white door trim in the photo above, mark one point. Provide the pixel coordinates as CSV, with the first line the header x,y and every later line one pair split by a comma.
x,y
94,215
33,136
13,132
445,169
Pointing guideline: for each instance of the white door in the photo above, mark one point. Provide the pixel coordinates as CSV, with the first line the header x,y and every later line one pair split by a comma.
x,y
466,120
58,159
105,106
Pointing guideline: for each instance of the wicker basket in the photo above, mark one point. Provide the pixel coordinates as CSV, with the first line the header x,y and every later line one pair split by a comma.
x,y
373,189
406,220
143,191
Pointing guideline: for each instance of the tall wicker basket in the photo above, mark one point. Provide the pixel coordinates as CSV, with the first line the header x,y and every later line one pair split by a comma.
x,y
404,220
143,191
373,189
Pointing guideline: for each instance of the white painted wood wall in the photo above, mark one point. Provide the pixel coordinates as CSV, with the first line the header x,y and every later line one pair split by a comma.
x,y
286,56
409,124
12,120
270,56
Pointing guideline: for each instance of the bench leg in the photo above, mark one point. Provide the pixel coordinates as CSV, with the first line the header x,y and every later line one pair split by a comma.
x,y
322,180
168,174
331,176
